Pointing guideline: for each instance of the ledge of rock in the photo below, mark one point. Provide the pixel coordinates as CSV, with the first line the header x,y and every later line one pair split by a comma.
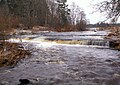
x,y
114,41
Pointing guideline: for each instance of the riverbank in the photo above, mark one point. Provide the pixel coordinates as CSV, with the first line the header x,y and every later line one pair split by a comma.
x,y
115,44
114,38
11,53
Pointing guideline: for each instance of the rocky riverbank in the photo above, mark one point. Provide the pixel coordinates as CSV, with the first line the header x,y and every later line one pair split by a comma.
x,y
114,38
115,44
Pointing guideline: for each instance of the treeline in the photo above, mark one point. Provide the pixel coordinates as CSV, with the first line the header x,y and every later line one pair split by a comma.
x,y
103,25
54,14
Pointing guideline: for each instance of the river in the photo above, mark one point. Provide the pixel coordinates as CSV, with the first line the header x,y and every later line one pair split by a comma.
x,y
64,64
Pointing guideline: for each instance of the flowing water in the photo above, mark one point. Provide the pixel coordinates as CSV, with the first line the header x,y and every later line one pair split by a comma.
x,y
64,64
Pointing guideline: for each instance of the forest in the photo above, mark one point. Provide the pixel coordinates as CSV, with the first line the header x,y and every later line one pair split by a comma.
x,y
54,14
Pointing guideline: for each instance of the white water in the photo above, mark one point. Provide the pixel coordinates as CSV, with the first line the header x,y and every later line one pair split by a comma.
x,y
85,38
63,64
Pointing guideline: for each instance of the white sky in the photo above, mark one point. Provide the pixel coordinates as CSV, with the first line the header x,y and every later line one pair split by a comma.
x,y
87,6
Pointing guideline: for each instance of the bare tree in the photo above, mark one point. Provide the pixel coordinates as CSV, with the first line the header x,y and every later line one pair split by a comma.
x,y
52,7
76,14
78,17
73,13
111,8
81,25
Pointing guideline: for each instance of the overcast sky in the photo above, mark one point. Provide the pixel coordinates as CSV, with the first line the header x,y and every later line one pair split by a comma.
x,y
87,6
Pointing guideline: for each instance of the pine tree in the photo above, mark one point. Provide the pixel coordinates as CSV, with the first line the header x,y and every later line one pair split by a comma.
x,y
63,12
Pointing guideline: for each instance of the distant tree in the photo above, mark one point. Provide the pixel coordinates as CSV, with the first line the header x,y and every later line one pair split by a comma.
x,y
63,12
73,13
52,7
81,25
30,12
4,19
77,13
78,17
112,9
4,16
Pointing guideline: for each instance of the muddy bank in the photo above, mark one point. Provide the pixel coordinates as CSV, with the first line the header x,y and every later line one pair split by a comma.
x,y
65,65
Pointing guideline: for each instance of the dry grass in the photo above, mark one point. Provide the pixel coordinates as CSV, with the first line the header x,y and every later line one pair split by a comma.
x,y
11,53
115,34
69,41
112,29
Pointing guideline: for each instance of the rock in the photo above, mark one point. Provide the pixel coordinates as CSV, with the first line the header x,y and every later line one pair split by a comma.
x,y
24,81
108,60
112,34
115,44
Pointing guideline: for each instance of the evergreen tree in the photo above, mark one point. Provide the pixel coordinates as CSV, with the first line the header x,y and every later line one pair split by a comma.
x,y
30,12
63,12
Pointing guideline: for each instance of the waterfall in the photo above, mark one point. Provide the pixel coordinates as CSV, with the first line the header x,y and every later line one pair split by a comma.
x,y
94,42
